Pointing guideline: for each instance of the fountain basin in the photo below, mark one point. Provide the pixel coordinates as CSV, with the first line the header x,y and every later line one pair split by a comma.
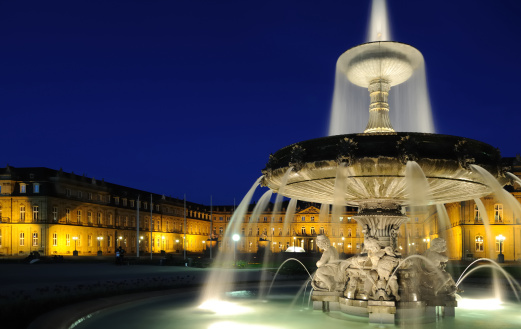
x,y
376,167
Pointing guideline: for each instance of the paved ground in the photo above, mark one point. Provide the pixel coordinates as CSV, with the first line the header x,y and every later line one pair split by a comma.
x,y
38,285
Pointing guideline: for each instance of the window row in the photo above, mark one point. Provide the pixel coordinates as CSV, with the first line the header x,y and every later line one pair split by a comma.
x,y
498,213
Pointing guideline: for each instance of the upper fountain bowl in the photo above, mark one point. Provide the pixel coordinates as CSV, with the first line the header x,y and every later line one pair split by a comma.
x,y
376,168
388,60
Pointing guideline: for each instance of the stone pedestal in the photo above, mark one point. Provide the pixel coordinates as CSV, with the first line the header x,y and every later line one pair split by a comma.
x,y
381,311
353,306
326,300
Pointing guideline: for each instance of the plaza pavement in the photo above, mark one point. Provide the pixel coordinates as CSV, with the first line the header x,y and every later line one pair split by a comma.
x,y
59,281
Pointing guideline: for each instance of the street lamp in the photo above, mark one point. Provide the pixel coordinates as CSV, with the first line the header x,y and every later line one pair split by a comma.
x,y
236,237
120,238
176,244
294,238
75,252
500,257
163,242
100,238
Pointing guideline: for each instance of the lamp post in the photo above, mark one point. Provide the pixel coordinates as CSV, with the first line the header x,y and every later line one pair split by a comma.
x,y
100,238
500,257
139,246
176,244
120,238
75,252
236,237
294,238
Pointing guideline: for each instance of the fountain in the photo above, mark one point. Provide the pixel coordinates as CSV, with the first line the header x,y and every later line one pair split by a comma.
x,y
381,171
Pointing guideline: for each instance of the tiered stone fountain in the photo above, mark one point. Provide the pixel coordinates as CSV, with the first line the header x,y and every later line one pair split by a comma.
x,y
373,165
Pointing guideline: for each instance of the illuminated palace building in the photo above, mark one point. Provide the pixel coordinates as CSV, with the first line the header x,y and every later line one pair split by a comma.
x,y
58,213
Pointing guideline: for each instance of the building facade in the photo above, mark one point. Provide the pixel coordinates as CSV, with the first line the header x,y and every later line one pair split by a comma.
x,y
58,213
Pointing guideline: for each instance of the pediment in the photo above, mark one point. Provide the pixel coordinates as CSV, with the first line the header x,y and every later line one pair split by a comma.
x,y
309,210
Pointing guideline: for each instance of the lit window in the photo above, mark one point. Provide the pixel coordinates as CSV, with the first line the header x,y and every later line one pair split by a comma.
x,y
54,239
35,213
99,218
89,241
221,230
55,213
498,213
312,218
23,188
67,215
78,214
341,218
303,230
89,217
358,246
36,188
349,233
22,239
349,219
67,240
35,239
479,243
303,218
322,230
313,230
22,213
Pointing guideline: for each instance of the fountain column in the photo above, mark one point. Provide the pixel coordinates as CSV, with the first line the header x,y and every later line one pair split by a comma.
x,y
381,220
379,108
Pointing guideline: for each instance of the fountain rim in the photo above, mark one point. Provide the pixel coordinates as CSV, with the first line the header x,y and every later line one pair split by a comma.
x,y
375,135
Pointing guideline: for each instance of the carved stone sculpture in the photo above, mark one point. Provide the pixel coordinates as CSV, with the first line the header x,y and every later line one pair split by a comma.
x,y
435,280
328,276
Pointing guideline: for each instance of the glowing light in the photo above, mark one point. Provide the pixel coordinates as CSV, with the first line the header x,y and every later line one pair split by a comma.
x,y
236,237
480,304
220,307
237,325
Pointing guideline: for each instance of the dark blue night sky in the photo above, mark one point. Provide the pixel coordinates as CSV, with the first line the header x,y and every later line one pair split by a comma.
x,y
178,97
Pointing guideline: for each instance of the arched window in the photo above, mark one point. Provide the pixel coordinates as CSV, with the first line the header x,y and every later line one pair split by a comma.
x,y
349,233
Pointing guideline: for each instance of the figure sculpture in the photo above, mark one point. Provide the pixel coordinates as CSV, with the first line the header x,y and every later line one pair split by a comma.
x,y
435,279
328,276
